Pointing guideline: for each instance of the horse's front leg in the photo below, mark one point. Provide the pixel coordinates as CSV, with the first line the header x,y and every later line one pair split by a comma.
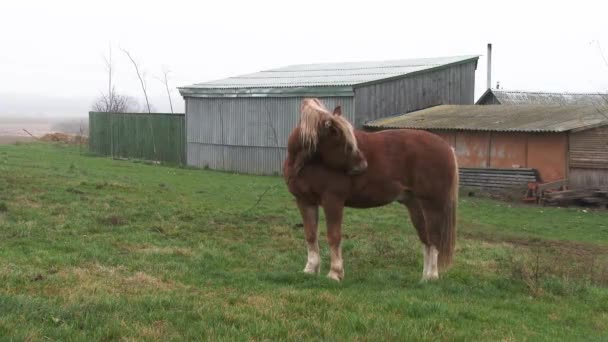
x,y
334,209
310,218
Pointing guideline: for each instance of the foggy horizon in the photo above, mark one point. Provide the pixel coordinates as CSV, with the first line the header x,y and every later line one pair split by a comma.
x,y
56,67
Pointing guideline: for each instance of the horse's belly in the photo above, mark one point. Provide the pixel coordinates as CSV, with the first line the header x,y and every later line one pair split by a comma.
x,y
374,195
363,202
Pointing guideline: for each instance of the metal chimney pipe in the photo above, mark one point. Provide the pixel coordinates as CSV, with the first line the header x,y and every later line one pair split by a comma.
x,y
489,65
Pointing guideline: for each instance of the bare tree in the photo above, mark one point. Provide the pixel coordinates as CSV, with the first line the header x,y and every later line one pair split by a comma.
x,y
601,51
110,97
141,80
143,87
599,47
115,103
165,81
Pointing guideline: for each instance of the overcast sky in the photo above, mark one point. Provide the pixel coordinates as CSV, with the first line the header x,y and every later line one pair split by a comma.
x,y
51,52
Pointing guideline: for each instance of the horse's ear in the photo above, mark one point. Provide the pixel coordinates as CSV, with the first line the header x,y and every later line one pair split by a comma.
x,y
328,127
338,111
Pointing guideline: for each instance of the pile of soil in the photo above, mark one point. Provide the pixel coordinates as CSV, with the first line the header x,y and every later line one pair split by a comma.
x,y
65,138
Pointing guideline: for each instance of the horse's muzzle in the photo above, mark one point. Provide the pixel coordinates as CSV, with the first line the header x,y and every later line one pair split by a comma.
x,y
359,168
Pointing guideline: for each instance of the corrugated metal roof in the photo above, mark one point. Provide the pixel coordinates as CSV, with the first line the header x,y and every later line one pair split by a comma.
x,y
517,97
503,118
332,76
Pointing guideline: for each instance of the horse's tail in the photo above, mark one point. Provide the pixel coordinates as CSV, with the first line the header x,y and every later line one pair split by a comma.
x,y
448,231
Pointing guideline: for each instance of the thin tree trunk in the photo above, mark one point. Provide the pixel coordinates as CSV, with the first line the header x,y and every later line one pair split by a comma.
x,y
143,87
168,92
141,81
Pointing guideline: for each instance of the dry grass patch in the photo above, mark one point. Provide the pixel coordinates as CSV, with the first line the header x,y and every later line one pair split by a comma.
x,y
92,280
25,201
113,220
156,331
152,249
468,252
600,322
146,280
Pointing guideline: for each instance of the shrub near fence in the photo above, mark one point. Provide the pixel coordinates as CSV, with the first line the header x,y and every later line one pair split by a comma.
x,y
155,137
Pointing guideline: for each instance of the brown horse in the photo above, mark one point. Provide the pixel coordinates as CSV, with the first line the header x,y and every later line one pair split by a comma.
x,y
331,165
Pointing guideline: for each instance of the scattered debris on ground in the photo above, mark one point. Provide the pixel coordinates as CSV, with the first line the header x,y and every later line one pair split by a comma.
x,y
557,194
586,197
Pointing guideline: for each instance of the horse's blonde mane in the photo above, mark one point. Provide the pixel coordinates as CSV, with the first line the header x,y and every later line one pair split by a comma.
x,y
347,131
313,113
313,116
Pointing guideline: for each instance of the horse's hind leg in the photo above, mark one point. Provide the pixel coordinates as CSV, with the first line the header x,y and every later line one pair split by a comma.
x,y
310,218
434,216
419,222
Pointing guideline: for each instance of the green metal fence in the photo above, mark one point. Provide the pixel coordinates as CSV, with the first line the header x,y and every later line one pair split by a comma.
x,y
156,137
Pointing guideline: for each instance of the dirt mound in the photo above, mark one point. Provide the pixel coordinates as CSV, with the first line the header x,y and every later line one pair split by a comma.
x,y
65,138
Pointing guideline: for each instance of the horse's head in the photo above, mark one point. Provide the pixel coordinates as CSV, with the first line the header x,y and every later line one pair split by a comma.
x,y
331,137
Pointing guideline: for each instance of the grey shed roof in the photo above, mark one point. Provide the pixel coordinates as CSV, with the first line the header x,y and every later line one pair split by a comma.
x,y
505,118
531,97
337,79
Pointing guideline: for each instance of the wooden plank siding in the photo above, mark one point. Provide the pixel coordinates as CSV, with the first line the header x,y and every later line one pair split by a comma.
x,y
589,149
589,158
451,85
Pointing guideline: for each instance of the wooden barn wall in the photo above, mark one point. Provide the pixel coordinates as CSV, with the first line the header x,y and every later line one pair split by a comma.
x,y
588,178
589,158
452,85
545,152
247,134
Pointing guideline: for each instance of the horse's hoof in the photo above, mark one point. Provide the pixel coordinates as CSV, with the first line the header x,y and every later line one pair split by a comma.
x,y
337,276
307,271
312,269
429,278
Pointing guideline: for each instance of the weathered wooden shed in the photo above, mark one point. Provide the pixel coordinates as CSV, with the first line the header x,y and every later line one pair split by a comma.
x,y
561,142
242,123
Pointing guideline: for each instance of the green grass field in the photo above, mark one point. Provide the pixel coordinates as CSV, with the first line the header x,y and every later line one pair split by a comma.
x,y
98,249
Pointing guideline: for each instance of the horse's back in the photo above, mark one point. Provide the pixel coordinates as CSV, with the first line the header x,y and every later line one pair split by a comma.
x,y
409,137
420,160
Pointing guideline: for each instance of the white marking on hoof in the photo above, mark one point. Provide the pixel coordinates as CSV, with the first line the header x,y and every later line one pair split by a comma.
x,y
312,269
313,265
336,275
434,253
425,255
431,271
337,267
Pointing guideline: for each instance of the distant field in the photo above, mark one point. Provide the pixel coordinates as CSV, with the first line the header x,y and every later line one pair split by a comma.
x,y
15,126
98,249
5,140
16,129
